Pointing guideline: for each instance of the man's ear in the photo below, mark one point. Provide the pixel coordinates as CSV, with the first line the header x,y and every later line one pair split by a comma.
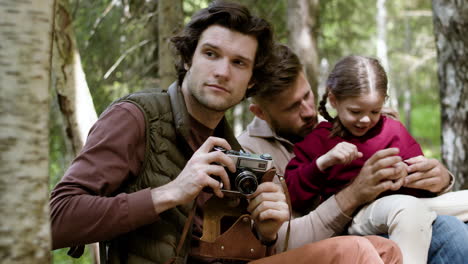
x,y
332,99
257,111
251,84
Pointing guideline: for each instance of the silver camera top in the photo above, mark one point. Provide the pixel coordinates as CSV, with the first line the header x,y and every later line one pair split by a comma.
x,y
255,162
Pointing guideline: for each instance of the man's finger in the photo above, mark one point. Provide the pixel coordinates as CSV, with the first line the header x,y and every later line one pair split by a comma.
x,y
386,162
265,187
414,160
220,158
381,154
265,197
425,184
212,142
216,187
421,166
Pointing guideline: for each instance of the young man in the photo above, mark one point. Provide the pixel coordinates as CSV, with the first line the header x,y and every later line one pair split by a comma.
x,y
285,113
148,166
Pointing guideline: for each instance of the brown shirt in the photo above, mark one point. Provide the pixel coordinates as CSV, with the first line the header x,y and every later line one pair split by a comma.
x,y
82,210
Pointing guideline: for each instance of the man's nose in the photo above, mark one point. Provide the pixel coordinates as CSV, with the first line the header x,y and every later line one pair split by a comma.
x,y
308,110
222,69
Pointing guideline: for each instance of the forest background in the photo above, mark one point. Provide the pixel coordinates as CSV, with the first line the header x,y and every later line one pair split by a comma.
x,y
114,47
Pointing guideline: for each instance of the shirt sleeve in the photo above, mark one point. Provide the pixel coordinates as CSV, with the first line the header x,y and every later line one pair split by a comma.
x,y
303,177
326,221
84,205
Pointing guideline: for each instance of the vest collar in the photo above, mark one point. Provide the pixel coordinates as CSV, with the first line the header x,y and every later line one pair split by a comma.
x,y
179,110
182,118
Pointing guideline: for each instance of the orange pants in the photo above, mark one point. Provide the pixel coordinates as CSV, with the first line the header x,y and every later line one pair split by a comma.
x,y
342,249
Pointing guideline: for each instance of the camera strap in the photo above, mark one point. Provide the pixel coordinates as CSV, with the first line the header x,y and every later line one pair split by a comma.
x,y
288,200
187,225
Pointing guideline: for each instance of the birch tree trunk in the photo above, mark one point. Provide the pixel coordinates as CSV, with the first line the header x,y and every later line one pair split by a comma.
x,y
382,51
170,20
451,33
26,36
302,24
69,83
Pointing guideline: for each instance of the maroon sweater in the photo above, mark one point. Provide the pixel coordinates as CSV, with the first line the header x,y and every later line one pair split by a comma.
x,y
306,182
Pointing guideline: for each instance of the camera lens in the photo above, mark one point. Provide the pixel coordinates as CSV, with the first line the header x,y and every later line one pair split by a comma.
x,y
246,182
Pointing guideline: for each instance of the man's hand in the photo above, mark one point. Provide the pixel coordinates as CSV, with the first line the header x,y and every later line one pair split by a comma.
x,y
269,210
198,173
343,153
426,174
381,172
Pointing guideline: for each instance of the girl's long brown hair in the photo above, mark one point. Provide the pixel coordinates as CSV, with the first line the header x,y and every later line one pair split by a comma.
x,y
352,76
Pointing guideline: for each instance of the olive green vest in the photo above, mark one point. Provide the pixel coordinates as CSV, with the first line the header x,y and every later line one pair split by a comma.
x,y
166,153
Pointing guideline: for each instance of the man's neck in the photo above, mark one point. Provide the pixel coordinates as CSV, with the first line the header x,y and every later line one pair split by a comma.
x,y
205,116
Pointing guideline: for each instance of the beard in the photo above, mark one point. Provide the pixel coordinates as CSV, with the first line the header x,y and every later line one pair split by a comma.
x,y
213,103
287,133
291,134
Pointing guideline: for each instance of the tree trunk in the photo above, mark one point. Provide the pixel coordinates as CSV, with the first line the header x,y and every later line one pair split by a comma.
x,y
302,24
382,53
407,106
69,83
170,19
26,36
238,112
451,33
76,103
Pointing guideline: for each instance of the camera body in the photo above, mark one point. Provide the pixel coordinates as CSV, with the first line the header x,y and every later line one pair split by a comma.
x,y
250,169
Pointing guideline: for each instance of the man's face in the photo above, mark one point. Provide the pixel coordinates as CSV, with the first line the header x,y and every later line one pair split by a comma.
x,y
292,113
221,70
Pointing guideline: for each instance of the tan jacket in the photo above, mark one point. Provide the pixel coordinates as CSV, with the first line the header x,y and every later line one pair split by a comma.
x,y
259,138
326,221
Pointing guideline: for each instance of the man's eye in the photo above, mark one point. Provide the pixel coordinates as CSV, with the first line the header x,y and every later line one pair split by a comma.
x,y
355,112
239,62
209,53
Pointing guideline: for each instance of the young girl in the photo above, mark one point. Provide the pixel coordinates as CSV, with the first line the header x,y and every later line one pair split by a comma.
x,y
332,155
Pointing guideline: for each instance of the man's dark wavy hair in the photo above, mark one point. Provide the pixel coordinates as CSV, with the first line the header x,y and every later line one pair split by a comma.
x,y
282,70
232,16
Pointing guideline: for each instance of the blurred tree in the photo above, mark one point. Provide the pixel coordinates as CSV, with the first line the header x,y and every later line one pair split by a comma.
x,y
72,93
118,46
69,81
302,18
382,50
25,53
451,32
170,22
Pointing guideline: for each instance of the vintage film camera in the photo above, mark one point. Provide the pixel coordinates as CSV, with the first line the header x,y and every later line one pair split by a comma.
x,y
250,169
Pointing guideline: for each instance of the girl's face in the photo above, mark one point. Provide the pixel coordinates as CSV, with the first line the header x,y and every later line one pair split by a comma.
x,y
359,114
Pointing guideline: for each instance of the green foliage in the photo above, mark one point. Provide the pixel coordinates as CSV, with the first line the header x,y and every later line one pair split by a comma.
x,y
190,7
425,127
60,257
109,31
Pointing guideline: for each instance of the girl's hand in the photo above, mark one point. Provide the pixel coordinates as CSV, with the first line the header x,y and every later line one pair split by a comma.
x,y
343,153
